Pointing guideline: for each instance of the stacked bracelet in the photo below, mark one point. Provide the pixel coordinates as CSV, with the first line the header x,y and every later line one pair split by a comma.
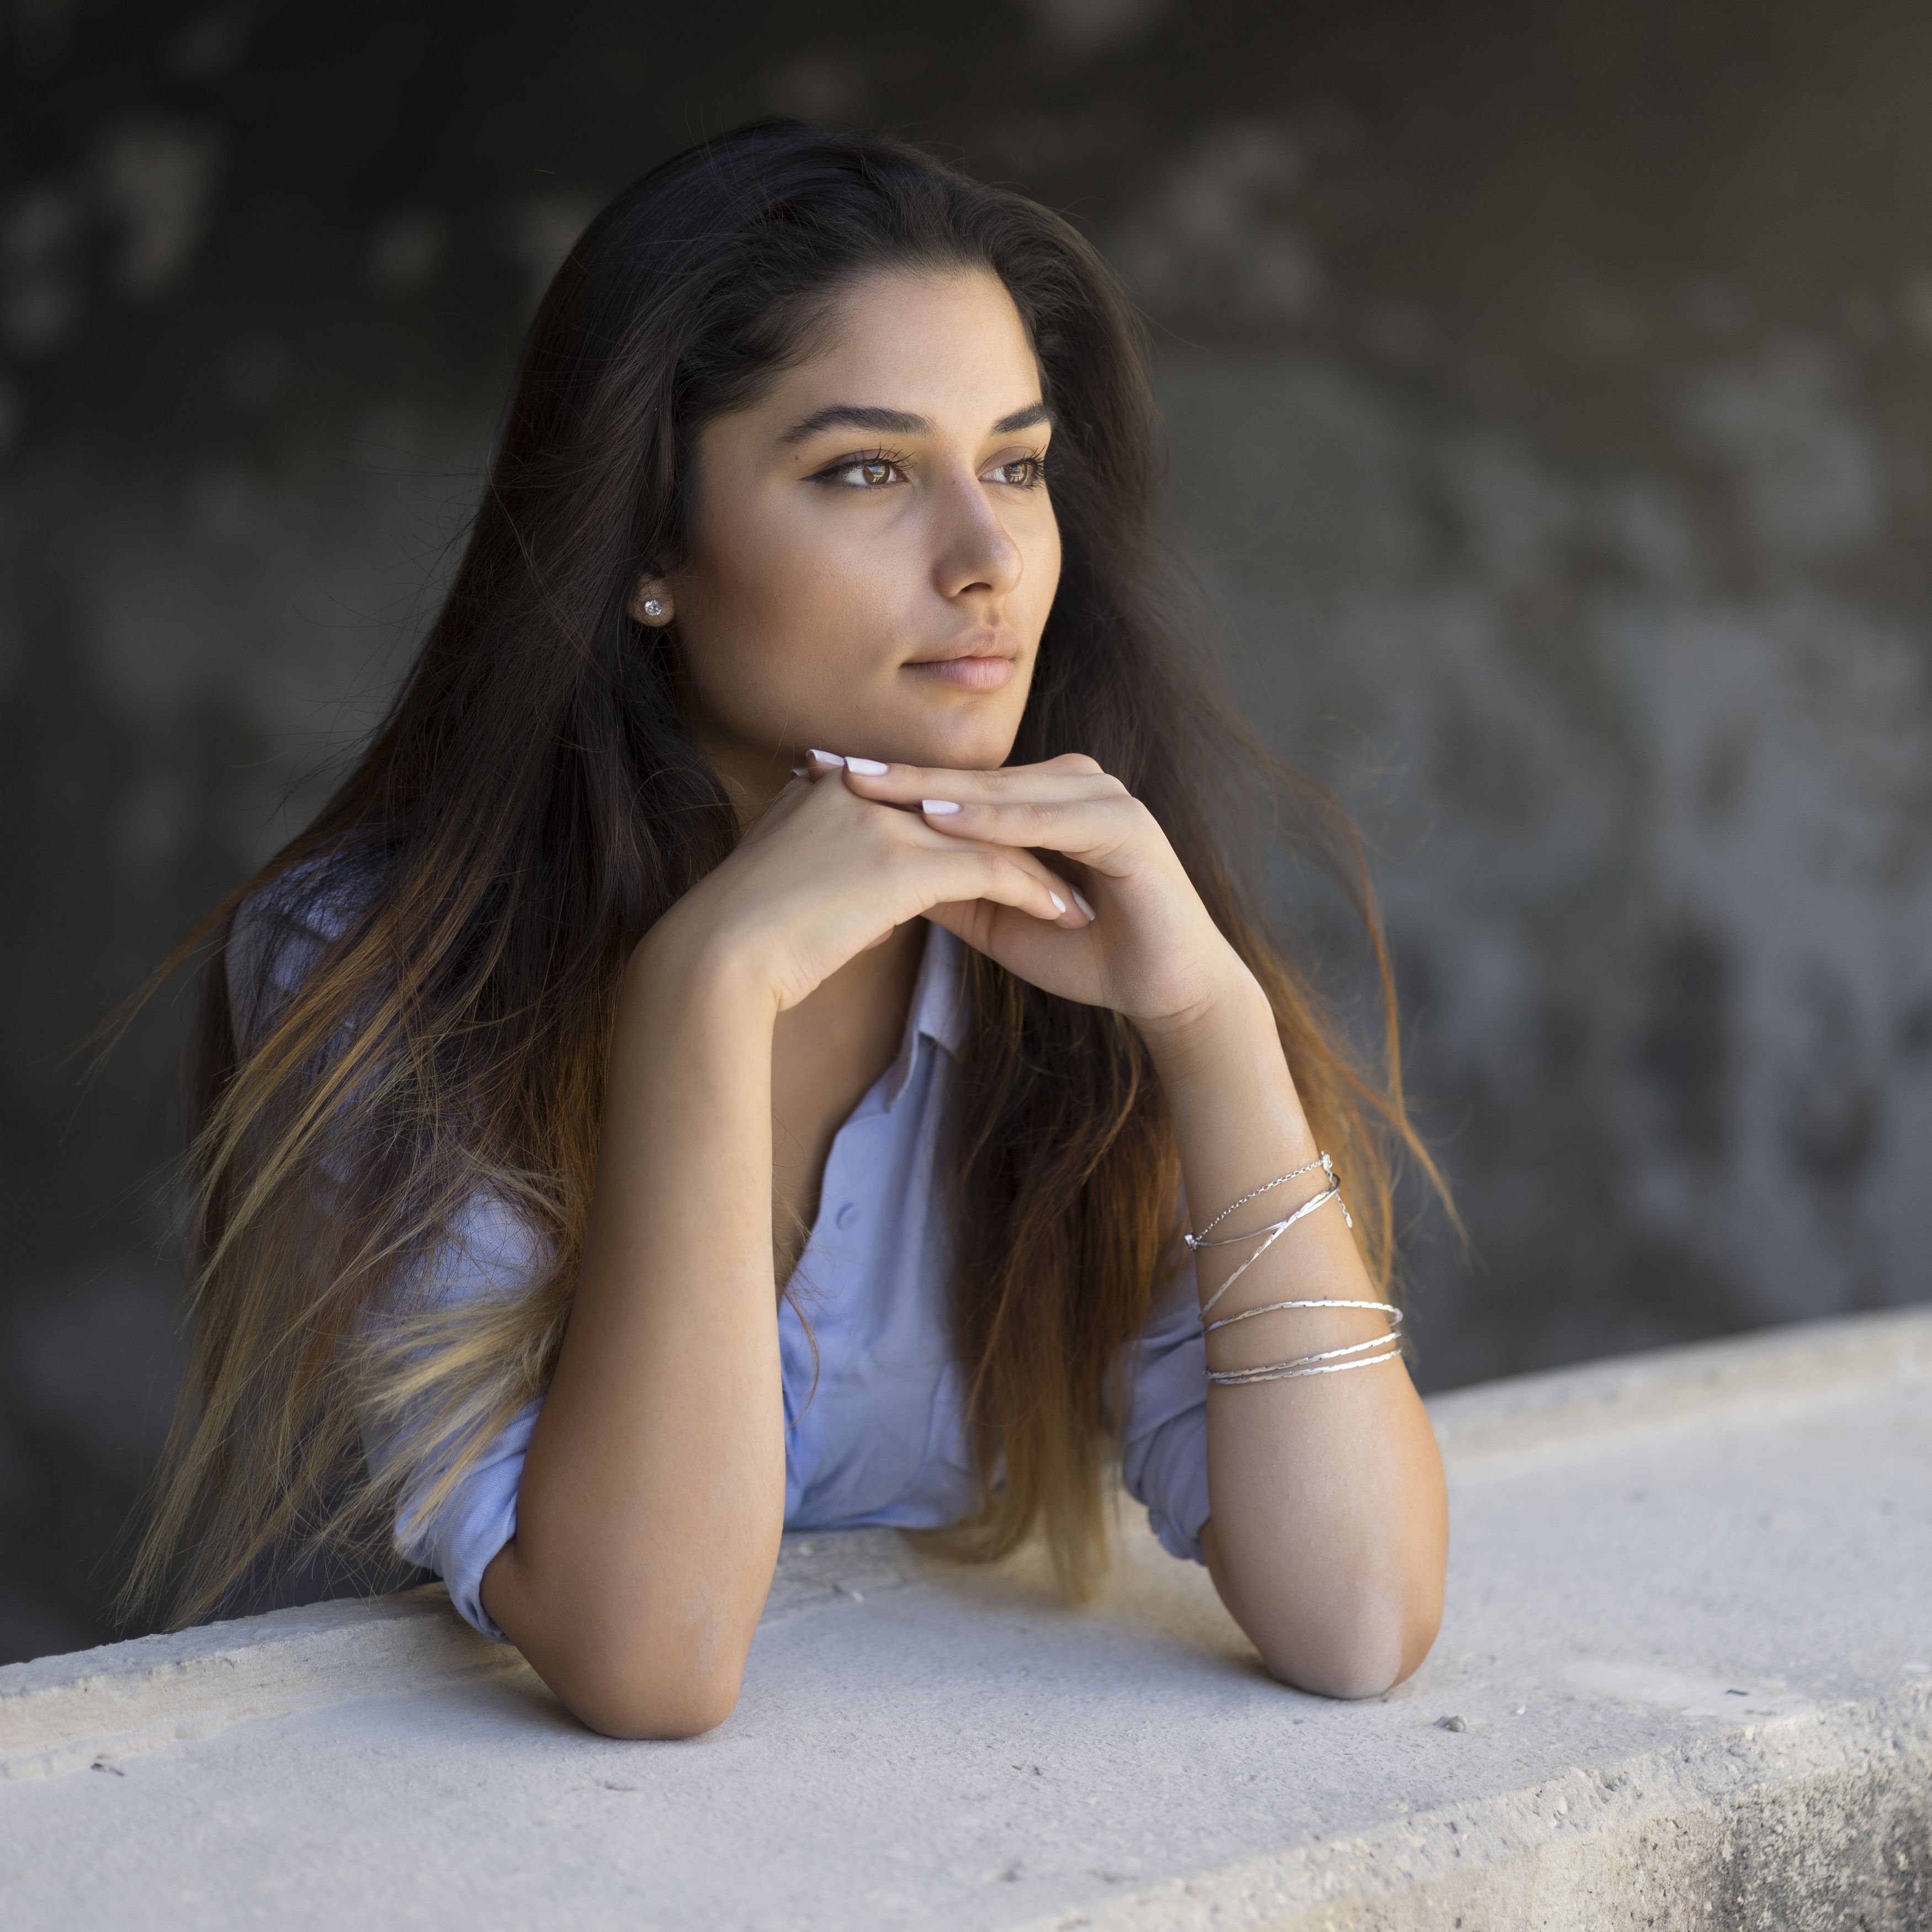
x,y
1328,1361
1325,1363
1273,1232
1387,1308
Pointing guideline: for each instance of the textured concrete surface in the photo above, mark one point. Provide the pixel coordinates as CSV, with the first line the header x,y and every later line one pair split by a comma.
x,y
1685,1680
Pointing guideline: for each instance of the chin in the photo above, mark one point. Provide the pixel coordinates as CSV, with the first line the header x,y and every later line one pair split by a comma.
x,y
968,745
976,734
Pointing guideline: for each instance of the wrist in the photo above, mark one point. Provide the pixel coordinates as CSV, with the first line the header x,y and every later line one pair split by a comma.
x,y
1224,1069
1231,1018
684,970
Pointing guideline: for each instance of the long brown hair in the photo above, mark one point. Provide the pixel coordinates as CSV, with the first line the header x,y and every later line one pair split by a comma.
x,y
535,800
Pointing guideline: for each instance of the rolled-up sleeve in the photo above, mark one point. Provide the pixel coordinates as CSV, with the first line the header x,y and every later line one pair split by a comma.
x,y
279,934
477,1518
1164,1437
490,1252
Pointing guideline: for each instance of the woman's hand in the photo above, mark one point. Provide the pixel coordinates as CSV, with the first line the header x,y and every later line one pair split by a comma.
x,y
1151,951
827,871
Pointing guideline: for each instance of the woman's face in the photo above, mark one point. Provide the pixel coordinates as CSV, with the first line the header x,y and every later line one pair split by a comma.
x,y
874,551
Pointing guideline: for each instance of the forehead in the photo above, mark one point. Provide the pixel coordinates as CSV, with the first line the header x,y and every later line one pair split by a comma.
x,y
944,344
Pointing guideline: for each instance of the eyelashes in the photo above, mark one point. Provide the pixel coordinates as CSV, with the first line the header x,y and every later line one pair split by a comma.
x,y
871,459
1035,468
1033,463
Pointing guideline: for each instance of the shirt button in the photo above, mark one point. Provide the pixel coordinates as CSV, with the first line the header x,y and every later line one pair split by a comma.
x,y
847,1215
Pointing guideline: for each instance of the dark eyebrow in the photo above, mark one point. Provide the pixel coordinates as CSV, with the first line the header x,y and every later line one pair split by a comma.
x,y
899,422
1025,419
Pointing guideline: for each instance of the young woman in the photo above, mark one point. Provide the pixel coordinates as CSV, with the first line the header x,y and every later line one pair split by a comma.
x,y
739,1049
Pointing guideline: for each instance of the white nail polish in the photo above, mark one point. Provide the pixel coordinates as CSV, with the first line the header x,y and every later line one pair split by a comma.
x,y
1059,903
869,768
830,757
1080,900
799,772
938,807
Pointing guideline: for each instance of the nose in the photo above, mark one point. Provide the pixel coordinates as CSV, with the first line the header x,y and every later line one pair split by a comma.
x,y
972,550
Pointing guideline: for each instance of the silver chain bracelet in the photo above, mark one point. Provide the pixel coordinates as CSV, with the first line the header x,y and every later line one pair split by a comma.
x,y
1294,1173
1273,1232
1386,1347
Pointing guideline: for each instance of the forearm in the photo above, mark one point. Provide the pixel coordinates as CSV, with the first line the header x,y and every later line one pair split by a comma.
x,y
653,1494
1328,1528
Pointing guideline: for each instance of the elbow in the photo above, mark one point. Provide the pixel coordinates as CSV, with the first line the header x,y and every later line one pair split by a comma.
x,y
625,1669
688,1711
1351,1666
1364,1651
636,1705
633,1679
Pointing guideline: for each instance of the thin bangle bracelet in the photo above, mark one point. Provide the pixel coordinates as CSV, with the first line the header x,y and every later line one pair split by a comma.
x,y
1311,1365
1387,1308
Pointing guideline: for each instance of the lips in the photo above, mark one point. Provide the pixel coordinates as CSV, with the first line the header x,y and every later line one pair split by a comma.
x,y
974,644
979,669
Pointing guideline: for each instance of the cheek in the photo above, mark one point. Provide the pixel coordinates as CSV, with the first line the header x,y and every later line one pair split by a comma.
x,y
788,608
786,579
1041,549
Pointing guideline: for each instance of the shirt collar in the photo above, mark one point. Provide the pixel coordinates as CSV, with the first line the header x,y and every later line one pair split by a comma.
x,y
938,1005
938,997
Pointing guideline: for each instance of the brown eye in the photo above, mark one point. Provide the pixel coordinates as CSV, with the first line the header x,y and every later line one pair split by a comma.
x,y
1022,473
860,472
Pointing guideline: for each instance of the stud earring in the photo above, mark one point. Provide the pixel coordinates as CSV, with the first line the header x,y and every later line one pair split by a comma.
x,y
653,608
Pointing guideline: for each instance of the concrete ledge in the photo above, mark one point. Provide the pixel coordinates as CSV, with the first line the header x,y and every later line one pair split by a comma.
x,y
1823,1821
94,1707
1802,1362
70,1713
1685,1679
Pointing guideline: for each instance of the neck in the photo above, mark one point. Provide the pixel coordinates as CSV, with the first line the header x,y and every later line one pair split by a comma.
x,y
752,776
878,981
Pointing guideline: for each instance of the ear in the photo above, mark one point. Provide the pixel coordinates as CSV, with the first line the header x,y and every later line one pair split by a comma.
x,y
650,602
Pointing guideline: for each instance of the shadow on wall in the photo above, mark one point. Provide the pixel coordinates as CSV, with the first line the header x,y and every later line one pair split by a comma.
x,y
1548,392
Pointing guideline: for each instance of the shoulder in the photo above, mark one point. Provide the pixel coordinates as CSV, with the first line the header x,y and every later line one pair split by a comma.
x,y
282,929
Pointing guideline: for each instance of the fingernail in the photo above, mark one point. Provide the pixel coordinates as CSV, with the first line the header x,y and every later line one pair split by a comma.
x,y
800,772
938,807
869,768
830,757
1080,900
1059,903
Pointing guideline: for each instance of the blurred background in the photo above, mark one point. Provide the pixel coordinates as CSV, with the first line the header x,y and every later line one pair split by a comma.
x,y
1548,390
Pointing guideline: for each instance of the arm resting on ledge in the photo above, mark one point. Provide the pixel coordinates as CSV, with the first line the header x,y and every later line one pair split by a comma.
x,y
1329,1535
653,1494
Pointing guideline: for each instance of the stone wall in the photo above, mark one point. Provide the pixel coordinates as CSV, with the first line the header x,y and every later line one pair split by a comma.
x,y
1546,390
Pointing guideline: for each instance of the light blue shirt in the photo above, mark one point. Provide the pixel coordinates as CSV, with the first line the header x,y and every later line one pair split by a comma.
x,y
881,1438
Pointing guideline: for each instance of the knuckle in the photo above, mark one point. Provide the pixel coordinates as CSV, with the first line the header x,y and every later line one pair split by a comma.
x,y
883,835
